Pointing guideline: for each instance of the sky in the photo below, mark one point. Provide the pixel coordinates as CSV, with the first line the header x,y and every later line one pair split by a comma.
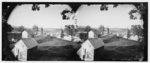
x,y
86,15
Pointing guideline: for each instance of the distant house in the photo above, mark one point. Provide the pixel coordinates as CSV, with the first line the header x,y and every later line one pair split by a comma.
x,y
25,34
82,35
86,52
14,36
22,47
91,34
69,38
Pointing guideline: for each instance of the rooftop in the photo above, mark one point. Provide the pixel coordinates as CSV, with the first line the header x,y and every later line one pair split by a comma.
x,y
30,42
96,42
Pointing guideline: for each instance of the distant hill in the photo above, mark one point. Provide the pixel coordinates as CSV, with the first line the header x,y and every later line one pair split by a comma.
x,y
119,30
52,30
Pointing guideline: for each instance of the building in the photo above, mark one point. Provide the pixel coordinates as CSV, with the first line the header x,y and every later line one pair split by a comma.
x,y
25,34
22,47
91,34
82,35
14,36
86,52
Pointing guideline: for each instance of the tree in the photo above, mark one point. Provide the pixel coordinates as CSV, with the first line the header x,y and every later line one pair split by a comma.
x,y
62,33
104,7
101,29
21,28
137,30
87,28
128,34
42,31
70,29
66,14
108,31
36,7
35,29
140,8
6,50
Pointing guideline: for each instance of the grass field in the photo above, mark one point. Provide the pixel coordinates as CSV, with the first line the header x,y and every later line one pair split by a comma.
x,y
120,49
115,49
52,49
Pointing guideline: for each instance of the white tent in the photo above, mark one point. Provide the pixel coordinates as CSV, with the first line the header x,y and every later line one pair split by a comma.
x,y
134,38
69,38
76,39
